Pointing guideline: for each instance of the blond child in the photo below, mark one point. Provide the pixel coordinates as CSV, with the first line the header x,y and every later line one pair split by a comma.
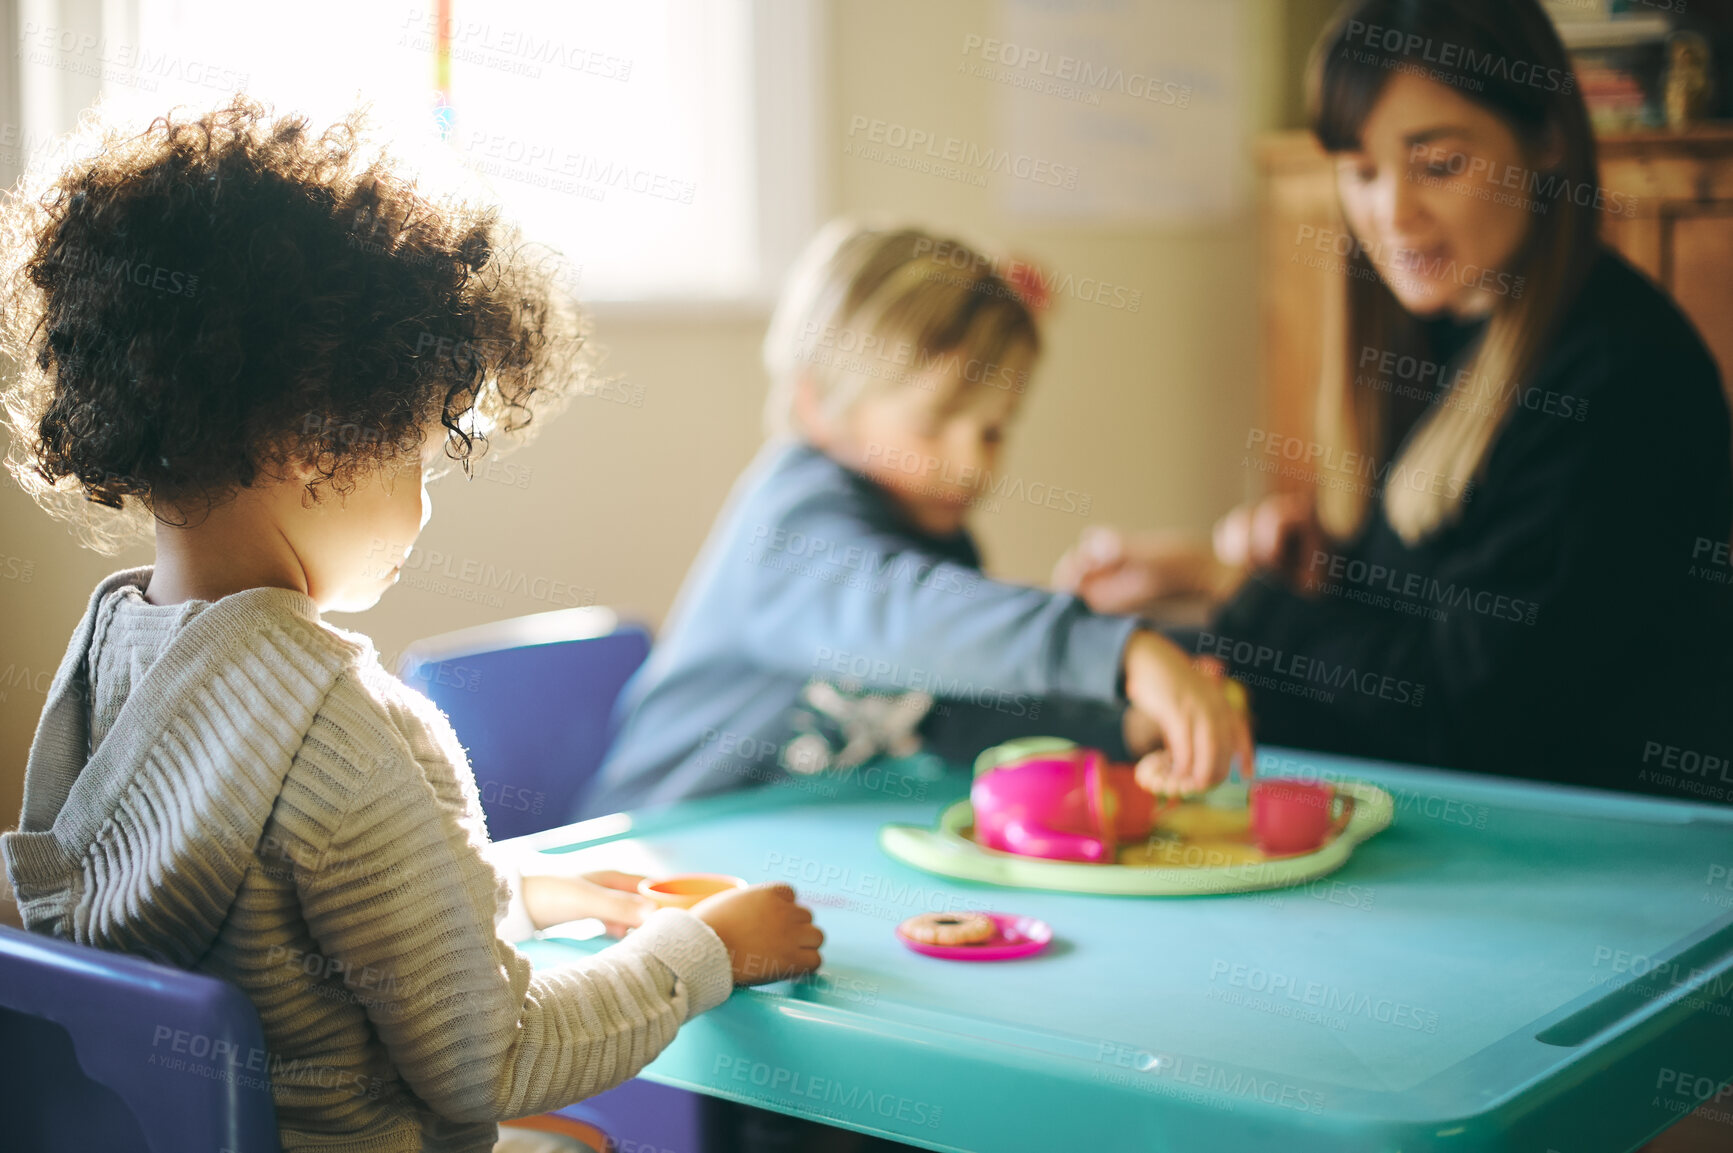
x,y
838,610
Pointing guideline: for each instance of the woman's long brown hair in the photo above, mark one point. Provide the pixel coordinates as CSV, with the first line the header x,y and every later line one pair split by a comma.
x,y
1506,56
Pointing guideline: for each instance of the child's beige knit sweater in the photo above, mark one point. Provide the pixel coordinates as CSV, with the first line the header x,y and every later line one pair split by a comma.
x,y
240,789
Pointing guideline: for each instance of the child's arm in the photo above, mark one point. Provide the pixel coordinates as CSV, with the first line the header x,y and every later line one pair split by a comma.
x,y
608,896
546,895
403,890
838,594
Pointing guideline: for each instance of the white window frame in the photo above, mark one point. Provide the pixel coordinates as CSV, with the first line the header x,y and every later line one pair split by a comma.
x,y
790,40
789,112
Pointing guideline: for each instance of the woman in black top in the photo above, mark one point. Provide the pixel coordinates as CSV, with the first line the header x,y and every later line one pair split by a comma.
x,y
1509,550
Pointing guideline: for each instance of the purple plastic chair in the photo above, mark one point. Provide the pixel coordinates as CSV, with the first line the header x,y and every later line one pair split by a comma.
x,y
531,699
102,1051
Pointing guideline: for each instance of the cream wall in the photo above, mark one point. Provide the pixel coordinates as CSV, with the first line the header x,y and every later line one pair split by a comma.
x,y
1141,412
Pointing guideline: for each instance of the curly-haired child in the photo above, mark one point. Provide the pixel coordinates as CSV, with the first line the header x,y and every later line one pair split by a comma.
x,y
262,339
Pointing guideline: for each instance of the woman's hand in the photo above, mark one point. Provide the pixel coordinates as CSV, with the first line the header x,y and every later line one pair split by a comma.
x,y
1201,715
1117,572
1280,533
610,897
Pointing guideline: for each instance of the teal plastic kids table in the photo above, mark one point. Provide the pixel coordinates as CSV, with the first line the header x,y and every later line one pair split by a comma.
x,y
1508,966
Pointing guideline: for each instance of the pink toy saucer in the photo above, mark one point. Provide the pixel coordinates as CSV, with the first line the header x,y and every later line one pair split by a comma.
x,y
1018,936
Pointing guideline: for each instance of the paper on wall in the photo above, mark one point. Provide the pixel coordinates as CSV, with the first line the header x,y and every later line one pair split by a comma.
x,y
1137,105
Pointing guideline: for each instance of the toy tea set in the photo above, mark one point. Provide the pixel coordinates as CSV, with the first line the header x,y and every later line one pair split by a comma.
x,y
1044,813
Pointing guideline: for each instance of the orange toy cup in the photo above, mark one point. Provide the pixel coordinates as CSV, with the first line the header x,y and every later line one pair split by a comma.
x,y
683,890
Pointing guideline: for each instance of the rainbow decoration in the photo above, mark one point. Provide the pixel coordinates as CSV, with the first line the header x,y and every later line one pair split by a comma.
x,y
444,113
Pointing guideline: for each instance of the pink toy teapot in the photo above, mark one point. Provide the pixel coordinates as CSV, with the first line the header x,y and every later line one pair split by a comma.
x,y
1064,803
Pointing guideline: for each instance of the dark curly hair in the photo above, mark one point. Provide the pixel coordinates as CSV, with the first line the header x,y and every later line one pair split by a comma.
x,y
225,293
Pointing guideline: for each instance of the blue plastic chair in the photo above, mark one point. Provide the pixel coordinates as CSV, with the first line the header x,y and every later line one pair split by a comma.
x,y
531,698
103,1051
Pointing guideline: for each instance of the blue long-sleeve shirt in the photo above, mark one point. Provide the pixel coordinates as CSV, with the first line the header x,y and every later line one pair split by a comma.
x,y
813,577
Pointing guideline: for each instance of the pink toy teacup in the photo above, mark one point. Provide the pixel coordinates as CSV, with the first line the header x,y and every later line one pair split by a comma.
x,y
1290,817
1063,805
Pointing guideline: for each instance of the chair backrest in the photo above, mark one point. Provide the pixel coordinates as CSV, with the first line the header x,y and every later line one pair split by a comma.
x,y
532,700
104,1051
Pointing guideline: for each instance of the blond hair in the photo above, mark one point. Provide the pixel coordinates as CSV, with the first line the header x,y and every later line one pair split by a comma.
x,y
869,308
1429,479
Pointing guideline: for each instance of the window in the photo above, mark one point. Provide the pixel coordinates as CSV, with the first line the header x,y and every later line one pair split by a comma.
x,y
666,146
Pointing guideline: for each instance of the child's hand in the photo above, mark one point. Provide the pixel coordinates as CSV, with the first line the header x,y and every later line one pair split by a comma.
x,y
1142,733
609,896
1201,724
768,935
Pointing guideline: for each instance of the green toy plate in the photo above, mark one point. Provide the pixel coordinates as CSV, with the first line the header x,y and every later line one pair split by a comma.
x,y
950,852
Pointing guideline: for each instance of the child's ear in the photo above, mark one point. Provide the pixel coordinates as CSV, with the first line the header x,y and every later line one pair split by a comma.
x,y
298,470
292,475
809,417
